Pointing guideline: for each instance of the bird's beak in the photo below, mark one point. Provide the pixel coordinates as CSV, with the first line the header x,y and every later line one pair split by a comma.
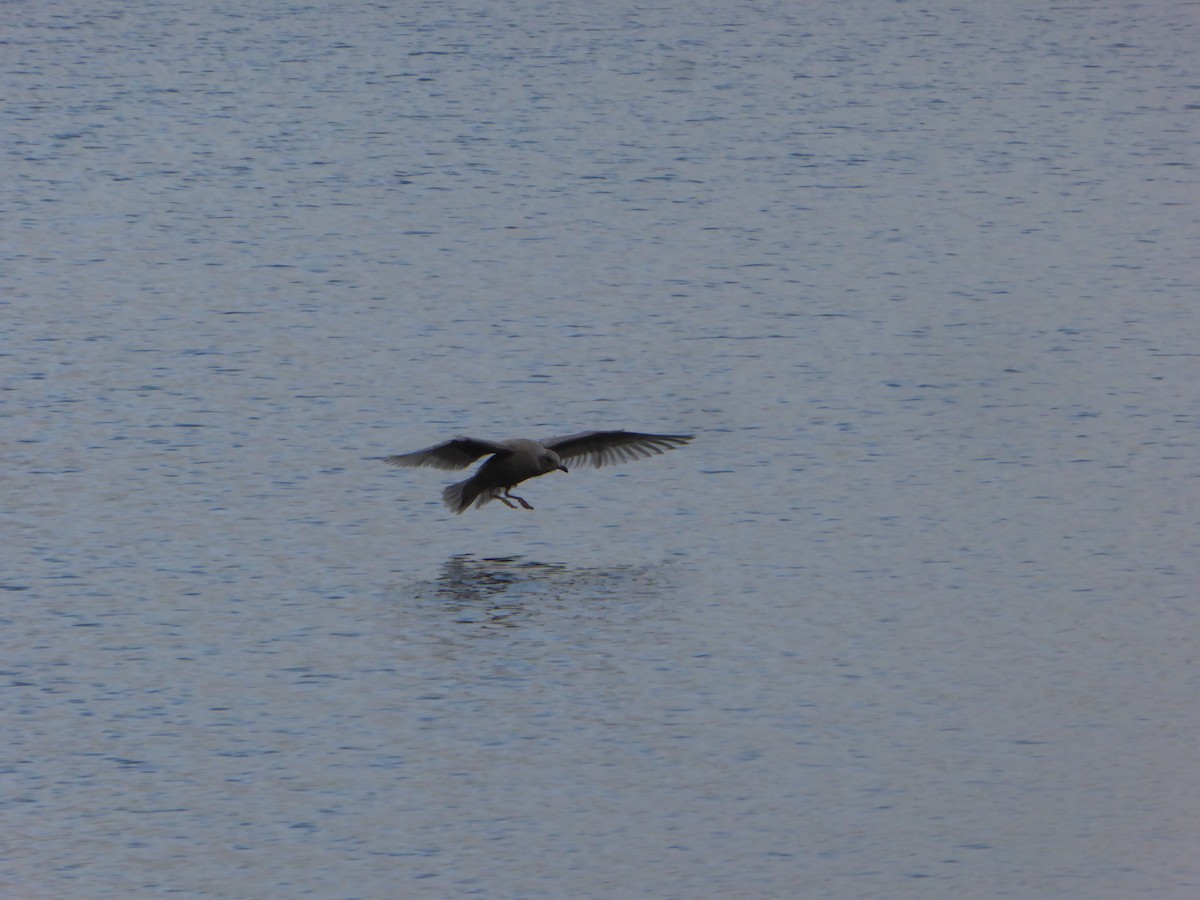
x,y
564,468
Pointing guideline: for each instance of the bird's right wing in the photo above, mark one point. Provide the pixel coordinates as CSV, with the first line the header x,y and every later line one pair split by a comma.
x,y
453,454
602,448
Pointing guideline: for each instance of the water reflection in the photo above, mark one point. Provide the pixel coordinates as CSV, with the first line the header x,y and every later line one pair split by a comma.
x,y
507,591
491,626
468,580
491,591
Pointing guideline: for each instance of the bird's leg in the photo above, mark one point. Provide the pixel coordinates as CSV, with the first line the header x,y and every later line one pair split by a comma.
x,y
505,502
520,500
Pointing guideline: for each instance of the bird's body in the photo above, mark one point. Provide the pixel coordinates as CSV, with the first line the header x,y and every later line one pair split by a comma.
x,y
511,462
502,471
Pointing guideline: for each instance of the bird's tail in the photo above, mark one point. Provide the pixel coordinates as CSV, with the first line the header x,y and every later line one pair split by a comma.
x,y
460,496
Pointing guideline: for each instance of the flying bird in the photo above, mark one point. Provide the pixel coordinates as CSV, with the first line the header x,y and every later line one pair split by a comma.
x,y
511,462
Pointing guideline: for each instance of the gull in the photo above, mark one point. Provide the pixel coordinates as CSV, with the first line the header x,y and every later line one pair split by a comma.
x,y
511,462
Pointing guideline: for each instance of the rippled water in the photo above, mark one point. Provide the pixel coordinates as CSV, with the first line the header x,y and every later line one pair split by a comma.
x,y
913,616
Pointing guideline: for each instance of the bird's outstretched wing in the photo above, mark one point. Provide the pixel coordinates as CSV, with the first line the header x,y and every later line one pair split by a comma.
x,y
602,448
453,454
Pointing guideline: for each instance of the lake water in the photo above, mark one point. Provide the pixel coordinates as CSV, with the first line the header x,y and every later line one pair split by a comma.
x,y
915,615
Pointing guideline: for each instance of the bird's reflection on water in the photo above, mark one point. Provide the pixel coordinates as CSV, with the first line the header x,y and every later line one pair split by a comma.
x,y
509,590
490,591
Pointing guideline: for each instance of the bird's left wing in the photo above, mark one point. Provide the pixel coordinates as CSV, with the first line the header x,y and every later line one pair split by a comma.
x,y
602,448
453,454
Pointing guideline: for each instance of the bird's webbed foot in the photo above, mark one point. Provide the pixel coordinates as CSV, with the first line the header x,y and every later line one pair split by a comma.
x,y
521,500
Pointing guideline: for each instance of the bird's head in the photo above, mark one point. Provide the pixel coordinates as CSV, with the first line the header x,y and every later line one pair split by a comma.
x,y
548,461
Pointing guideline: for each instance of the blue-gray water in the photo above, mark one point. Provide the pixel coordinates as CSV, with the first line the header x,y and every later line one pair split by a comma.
x,y
914,616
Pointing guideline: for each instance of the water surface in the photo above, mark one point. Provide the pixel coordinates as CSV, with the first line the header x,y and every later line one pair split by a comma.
x,y
913,616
